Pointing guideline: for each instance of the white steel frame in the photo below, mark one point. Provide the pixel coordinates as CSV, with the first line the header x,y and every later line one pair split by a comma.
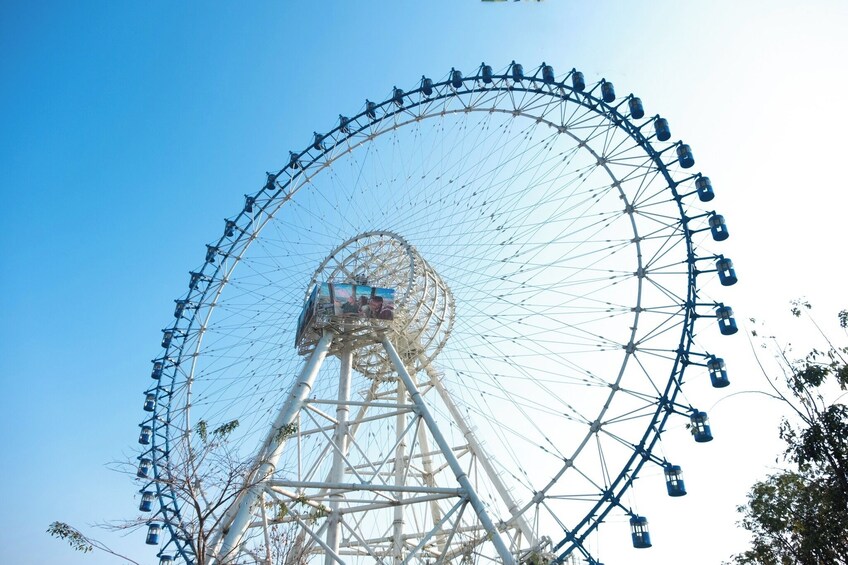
x,y
249,511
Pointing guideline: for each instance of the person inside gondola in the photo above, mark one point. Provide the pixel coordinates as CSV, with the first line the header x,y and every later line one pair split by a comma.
x,y
351,305
376,309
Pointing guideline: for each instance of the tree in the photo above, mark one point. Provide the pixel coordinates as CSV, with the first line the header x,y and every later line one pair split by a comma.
x,y
205,475
800,515
80,541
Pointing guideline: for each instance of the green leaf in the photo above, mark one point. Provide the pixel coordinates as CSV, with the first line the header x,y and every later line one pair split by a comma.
x,y
70,534
224,430
200,428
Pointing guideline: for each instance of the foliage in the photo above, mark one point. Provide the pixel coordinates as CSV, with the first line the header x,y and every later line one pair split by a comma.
x,y
224,430
794,518
73,536
81,542
800,515
286,432
220,433
206,475
201,429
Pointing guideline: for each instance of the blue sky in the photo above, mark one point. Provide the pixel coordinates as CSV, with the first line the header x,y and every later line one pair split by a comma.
x,y
130,130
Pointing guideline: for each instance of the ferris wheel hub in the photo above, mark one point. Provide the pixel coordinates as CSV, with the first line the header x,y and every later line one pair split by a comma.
x,y
374,284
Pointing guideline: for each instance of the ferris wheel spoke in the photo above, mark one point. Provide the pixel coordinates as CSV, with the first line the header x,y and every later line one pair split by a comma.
x,y
676,304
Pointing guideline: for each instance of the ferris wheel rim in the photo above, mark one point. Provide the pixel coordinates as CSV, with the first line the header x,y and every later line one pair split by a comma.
x,y
280,197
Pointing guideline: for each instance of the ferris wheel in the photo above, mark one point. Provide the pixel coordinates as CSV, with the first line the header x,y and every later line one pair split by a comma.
x,y
449,330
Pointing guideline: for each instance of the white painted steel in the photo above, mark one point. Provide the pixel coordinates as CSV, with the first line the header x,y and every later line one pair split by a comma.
x,y
482,458
273,448
461,477
340,447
